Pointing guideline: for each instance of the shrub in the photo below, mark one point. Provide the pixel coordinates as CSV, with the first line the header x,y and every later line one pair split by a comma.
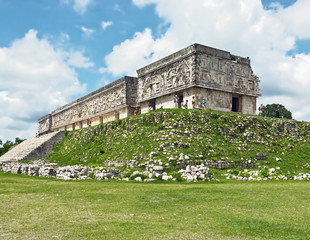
x,y
138,175
264,173
177,176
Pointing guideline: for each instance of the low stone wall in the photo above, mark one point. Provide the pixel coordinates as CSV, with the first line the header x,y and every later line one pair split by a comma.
x,y
148,173
208,163
52,170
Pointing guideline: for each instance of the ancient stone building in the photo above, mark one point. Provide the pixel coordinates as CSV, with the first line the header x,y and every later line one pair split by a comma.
x,y
224,81
111,102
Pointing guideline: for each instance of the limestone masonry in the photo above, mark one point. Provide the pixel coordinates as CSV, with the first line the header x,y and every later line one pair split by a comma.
x,y
224,81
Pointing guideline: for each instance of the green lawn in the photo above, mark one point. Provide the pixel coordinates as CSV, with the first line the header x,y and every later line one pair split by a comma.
x,y
40,208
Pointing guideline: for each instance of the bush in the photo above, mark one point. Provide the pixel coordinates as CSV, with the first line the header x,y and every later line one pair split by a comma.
x,y
138,175
177,176
245,174
264,173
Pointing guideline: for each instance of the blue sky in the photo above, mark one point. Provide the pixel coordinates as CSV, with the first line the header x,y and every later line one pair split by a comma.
x,y
54,51
68,28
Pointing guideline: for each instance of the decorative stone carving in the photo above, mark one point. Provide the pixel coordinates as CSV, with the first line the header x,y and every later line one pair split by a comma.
x,y
166,79
197,66
90,107
117,95
45,123
227,75
206,73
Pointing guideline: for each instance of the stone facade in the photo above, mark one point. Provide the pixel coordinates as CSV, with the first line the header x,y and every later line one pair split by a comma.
x,y
224,81
114,101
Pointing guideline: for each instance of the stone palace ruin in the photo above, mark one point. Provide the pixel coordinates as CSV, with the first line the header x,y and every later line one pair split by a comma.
x,y
226,83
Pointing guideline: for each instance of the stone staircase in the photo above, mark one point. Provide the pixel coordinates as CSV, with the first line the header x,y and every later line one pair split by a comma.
x,y
33,148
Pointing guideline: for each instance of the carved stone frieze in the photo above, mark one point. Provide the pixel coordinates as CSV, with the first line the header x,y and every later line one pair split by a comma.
x,y
90,107
226,75
45,123
218,72
167,78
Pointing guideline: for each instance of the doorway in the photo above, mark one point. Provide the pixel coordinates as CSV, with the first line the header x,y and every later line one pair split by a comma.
x,y
180,101
235,104
152,105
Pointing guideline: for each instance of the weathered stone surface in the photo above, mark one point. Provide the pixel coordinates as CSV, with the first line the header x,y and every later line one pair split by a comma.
x,y
33,148
158,169
224,81
113,101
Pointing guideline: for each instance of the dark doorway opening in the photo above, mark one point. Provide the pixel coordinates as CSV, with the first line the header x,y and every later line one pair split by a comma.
x,y
235,104
180,101
152,105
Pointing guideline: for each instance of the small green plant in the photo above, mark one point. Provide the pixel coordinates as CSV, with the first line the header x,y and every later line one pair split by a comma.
x,y
138,175
177,176
264,173
245,174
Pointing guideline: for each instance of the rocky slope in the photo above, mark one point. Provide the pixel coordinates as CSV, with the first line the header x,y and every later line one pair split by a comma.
x,y
184,144
176,138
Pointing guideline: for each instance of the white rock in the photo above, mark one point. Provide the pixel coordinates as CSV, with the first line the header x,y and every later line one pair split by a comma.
x,y
165,177
189,178
158,168
157,174
138,179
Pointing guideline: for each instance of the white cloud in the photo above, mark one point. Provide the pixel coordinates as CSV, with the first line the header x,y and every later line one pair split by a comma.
x,y
35,78
106,24
77,59
88,32
80,6
297,19
127,57
242,27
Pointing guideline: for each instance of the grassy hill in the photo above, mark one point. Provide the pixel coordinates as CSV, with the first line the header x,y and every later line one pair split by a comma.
x,y
177,137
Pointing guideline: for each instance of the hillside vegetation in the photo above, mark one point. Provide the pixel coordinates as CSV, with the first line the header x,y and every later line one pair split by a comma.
x,y
175,138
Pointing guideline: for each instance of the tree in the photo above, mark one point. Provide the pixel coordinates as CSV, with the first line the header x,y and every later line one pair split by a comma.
x,y
8,144
270,111
18,140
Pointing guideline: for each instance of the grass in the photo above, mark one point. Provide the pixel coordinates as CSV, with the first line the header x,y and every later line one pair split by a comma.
x,y
41,208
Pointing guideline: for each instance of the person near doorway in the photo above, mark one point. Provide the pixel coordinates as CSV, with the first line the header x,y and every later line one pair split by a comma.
x,y
193,102
176,101
260,110
186,104
203,104
136,111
